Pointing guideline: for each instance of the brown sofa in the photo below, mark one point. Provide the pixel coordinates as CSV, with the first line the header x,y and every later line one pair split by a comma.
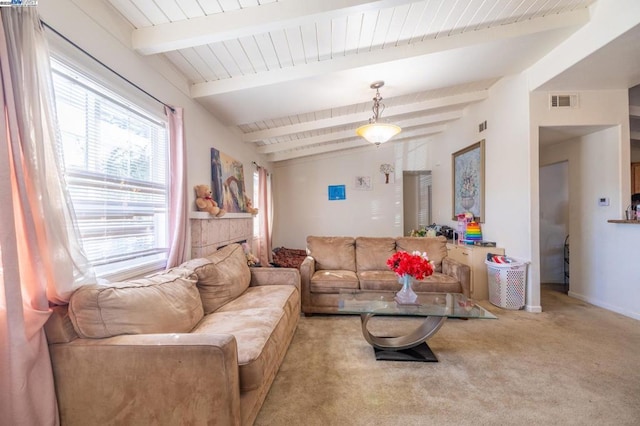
x,y
198,344
335,263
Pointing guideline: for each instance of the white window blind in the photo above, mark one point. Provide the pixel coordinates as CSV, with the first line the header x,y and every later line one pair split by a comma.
x,y
115,164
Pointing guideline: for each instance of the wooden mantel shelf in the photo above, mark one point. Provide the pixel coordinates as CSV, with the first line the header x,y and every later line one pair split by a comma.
x,y
630,222
207,216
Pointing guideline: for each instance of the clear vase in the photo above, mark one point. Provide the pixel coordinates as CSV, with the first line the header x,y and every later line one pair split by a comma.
x,y
406,295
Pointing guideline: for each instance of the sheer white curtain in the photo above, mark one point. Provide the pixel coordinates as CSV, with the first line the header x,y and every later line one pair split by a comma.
x,y
42,259
265,214
178,208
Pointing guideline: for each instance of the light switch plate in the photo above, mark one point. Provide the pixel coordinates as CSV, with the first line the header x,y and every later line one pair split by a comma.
x,y
603,201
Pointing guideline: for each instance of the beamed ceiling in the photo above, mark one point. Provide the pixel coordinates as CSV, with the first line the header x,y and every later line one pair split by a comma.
x,y
293,76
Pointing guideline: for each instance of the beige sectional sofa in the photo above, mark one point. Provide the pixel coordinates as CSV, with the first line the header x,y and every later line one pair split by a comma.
x,y
198,344
335,263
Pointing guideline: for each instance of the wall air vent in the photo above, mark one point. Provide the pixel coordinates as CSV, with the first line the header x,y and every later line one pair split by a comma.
x,y
566,100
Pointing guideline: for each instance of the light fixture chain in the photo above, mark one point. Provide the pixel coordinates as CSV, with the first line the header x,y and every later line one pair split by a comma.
x,y
377,110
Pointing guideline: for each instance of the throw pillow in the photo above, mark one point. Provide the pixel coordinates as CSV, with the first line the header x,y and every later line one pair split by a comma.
x,y
222,276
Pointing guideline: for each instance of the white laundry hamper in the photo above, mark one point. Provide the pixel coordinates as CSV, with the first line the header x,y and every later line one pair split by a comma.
x,y
507,283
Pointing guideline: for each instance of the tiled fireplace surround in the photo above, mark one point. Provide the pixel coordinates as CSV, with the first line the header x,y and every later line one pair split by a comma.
x,y
209,233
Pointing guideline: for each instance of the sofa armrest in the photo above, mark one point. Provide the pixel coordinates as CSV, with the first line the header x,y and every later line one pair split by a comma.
x,y
275,276
459,271
148,379
307,269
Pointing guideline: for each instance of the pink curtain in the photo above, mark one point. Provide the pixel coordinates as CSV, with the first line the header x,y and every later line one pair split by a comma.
x,y
264,216
41,258
178,208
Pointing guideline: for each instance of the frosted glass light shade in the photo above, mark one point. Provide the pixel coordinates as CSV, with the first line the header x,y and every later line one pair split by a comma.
x,y
378,133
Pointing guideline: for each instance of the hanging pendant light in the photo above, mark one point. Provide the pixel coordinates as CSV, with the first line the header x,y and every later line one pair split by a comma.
x,y
376,132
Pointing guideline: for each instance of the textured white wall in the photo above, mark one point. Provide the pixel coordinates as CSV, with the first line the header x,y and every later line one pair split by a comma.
x,y
301,199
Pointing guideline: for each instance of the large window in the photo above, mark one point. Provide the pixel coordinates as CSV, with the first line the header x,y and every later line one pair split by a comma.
x,y
114,157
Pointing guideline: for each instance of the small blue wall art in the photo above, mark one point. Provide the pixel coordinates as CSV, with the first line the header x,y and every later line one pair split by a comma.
x,y
337,192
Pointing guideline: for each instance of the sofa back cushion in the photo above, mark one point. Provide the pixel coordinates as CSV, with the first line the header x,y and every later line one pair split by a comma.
x,y
164,303
372,253
435,247
335,253
222,276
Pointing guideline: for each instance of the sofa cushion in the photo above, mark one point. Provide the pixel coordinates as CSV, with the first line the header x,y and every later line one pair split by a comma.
x,y
164,303
378,280
284,297
336,253
437,283
435,247
372,253
222,276
333,281
259,332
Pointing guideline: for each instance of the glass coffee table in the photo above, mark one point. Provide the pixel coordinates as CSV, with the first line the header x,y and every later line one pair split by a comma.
x,y
435,308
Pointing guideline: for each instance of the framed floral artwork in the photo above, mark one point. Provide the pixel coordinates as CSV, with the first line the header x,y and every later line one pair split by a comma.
x,y
467,184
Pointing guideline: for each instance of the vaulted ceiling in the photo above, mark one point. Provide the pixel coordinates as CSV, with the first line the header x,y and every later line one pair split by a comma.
x,y
294,76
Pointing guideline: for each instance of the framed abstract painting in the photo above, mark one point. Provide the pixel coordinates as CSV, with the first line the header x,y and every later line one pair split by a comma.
x,y
227,181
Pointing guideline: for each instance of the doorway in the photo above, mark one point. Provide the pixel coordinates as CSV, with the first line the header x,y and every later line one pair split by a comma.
x,y
416,195
554,226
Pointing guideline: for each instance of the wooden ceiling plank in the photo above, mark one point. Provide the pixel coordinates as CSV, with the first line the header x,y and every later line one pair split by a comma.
x,y
352,37
296,48
323,35
171,10
462,99
274,76
248,3
191,8
382,28
229,5
335,136
309,41
415,14
338,36
267,51
281,156
152,12
210,7
178,59
281,46
369,20
132,12
205,61
243,22
398,19
239,56
250,47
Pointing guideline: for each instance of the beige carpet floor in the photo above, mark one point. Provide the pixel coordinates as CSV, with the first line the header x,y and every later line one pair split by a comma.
x,y
573,364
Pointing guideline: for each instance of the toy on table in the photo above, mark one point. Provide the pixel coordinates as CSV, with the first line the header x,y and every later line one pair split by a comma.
x,y
473,233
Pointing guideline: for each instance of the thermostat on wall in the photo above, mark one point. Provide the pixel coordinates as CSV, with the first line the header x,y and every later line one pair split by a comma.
x,y
604,201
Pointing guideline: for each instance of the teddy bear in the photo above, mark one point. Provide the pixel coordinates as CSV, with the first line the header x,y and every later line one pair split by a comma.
x,y
251,259
205,202
248,205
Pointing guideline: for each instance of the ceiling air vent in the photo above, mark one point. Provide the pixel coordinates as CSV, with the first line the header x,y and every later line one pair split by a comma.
x,y
563,100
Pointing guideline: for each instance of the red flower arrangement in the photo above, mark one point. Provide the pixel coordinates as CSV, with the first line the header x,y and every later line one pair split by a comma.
x,y
415,264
